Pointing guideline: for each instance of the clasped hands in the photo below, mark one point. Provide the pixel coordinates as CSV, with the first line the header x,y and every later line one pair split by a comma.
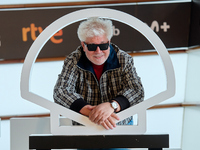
x,y
102,114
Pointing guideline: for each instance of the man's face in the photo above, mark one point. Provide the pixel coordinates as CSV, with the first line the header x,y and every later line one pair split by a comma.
x,y
97,57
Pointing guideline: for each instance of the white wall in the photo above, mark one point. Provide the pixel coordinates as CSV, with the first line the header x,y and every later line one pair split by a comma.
x,y
191,124
44,76
167,120
5,135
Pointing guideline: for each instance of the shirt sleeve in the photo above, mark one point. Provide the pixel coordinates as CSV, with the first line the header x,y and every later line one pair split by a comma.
x,y
132,91
122,101
65,91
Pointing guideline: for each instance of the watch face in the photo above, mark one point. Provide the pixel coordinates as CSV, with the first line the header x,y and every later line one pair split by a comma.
x,y
114,105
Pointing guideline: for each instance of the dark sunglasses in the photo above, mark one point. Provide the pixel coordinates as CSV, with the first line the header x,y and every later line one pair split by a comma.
x,y
93,47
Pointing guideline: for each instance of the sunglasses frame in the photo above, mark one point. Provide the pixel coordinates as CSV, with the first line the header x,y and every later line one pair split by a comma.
x,y
93,47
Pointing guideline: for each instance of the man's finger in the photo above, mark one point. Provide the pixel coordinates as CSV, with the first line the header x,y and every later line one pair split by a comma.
x,y
115,116
112,121
105,126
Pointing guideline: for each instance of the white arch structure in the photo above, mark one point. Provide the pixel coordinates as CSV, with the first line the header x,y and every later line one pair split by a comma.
x,y
90,128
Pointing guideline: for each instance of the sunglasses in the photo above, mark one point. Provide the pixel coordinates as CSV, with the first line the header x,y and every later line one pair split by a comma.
x,y
93,47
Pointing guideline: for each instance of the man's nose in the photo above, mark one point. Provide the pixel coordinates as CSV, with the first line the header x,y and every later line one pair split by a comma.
x,y
98,50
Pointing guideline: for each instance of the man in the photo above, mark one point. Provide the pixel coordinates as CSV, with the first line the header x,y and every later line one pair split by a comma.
x,y
98,79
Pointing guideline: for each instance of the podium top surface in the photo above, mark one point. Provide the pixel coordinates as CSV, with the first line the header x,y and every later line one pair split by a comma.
x,y
48,141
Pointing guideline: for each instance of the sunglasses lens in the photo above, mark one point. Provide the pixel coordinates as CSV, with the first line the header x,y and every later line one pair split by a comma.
x,y
92,47
104,46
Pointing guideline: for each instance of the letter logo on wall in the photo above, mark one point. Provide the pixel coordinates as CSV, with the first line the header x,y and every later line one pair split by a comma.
x,y
155,26
90,128
116,32
37,30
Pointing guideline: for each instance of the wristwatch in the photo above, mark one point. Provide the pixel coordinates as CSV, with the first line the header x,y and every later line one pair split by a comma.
x,y
114,105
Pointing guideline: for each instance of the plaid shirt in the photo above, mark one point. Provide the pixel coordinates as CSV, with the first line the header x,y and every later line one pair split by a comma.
x,y
77,84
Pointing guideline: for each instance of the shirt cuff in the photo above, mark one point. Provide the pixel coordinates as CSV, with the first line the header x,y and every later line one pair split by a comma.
x,y
122,101
78,104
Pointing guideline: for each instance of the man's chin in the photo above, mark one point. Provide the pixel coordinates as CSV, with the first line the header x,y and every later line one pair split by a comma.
x,y
98,63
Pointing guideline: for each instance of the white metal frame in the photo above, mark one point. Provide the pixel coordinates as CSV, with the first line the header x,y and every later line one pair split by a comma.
x,y
90,128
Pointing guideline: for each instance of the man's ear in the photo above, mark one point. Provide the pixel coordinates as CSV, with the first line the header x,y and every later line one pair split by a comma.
x,y
83,45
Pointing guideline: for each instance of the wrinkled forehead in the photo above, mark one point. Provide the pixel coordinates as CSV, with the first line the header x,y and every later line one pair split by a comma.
x,y
97,39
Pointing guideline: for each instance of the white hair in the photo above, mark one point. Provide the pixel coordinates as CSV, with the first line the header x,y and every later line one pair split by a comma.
x,y
95,26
